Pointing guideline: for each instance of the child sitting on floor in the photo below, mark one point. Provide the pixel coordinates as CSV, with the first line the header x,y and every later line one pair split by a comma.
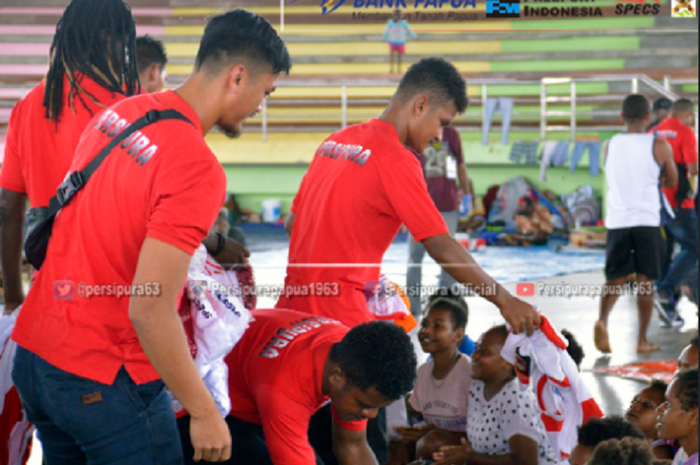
x,y
678,416
455,294
689,357
504,423
598,430
642,413
440,395
626,451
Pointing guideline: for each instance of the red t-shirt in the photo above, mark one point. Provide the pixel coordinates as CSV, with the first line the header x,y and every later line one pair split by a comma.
x,y
435,160
37,153
361,186
275,378
685,150
165,184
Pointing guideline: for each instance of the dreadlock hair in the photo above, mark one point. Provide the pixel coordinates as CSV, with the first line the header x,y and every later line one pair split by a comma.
x,y
97,40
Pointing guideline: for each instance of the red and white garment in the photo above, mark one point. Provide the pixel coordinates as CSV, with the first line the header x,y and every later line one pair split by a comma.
x,y
541,360
239,277
15,430
215,319
386,301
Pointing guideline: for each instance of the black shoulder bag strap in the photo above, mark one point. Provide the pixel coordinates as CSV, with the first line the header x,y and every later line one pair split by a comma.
x,y
77,179
40,219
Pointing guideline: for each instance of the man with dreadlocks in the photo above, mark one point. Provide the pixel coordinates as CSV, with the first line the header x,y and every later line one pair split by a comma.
x,y
91,367
92,66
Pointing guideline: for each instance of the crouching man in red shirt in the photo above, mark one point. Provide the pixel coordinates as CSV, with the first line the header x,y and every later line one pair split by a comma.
x,y
288,365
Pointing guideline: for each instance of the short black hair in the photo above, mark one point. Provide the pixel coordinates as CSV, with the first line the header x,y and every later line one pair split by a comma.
x,y
150,51
574,349
500,330
457,312
242,34
688,389
662,103
635,108
683,106
694,341
597,430
627,451
380,355
436,76
454,293
658,385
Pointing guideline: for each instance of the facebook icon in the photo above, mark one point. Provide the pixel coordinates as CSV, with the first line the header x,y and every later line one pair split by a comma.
x,y
503,8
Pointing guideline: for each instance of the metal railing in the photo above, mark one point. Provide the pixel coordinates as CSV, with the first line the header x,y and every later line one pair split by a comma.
x,y
573,98
545,99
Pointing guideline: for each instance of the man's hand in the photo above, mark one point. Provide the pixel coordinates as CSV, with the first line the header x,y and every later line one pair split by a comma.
x,y
459,264
211,438
454,455
12,207
520,315
413,433
234,253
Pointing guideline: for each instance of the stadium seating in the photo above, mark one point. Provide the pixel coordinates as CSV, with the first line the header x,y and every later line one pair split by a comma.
x,y
511,56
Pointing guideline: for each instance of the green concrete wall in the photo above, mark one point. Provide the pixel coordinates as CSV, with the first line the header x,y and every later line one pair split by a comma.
x,y
580,64
486,165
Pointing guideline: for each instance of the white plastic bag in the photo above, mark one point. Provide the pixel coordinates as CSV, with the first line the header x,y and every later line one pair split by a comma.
x,y
219,320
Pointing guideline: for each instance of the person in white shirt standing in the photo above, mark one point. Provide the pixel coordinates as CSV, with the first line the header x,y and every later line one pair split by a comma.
x,y
636,165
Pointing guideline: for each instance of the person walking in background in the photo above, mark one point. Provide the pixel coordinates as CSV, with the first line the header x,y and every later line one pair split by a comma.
x,y
443,164
396,34
660,111
678,131
151,61
635,164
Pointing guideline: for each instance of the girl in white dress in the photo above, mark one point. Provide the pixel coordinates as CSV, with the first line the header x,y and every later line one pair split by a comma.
x,y
504,425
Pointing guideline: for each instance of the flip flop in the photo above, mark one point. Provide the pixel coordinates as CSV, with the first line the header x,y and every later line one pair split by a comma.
x,y
649,348
600,338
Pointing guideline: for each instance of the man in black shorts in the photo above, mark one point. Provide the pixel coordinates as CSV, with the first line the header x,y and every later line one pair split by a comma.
x,y
635,162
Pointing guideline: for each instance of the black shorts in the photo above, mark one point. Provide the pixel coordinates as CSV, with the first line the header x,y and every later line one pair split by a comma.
x,y
633,250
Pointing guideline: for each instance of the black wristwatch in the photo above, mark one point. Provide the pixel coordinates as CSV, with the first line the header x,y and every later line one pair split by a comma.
x,y
220,245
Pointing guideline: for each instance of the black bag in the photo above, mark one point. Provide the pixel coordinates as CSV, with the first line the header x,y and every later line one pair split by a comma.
x,y
40,219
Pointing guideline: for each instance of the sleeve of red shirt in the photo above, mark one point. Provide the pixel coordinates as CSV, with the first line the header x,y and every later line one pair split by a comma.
x,y
187,200
11,177
689,147
407,192
285,424
451,135
360,425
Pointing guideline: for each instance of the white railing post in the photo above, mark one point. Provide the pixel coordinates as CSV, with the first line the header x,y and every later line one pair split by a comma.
x,y
667,83
484,96
635,85
264,120
543,110
344,106
573,110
